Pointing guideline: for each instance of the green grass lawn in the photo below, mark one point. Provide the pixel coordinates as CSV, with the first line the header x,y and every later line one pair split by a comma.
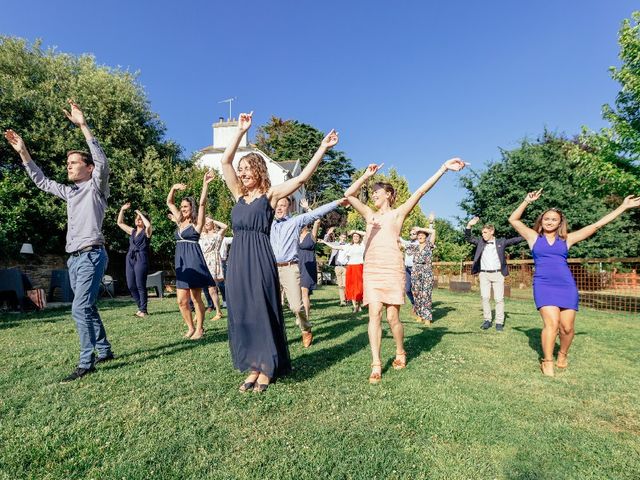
x,y
470,404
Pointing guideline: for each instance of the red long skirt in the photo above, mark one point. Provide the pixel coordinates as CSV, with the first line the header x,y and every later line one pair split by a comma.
x,y
353,283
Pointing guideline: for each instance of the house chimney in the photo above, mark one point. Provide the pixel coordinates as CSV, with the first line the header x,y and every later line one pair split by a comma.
x,y
223,132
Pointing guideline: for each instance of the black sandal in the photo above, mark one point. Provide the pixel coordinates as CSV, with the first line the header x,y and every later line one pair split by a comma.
x,y
261,387
246,386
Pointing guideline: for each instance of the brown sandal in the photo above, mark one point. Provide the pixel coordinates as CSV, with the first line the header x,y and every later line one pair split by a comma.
x,y
565,364
375,377
399,364
542,362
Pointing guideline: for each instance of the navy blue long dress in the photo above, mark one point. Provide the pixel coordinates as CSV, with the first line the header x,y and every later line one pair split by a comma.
x,y
191,267
137,267
257,336
307,262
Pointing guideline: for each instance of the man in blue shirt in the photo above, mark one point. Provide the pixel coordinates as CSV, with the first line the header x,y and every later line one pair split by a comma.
x,y
285,235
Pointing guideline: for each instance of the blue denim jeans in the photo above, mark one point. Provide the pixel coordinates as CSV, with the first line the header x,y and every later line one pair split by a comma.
x,y
407,285
85,273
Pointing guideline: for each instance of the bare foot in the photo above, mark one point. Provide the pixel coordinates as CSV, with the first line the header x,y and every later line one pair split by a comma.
x,y
217,316
197,335
189,333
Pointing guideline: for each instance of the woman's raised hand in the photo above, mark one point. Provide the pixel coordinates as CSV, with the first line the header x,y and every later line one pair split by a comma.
x,y
631,202
533,196
126,206
209,176
371,170
244,121
331,139
179,186
455,164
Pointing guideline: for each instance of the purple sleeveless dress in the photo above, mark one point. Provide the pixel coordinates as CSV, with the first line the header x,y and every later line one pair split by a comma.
x,y
553,283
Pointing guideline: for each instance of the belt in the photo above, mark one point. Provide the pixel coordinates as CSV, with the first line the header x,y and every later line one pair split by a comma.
x,y
490,271
286,264
87,249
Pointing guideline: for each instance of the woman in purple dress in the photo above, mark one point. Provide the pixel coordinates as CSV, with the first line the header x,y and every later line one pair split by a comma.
x,y
554,289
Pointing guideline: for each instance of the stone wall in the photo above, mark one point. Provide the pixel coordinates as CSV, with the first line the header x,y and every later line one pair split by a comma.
x,y
38,268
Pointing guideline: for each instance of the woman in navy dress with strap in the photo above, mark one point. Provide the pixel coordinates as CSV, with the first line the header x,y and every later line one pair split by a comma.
x,y
554,289
192,273
137,261
257,336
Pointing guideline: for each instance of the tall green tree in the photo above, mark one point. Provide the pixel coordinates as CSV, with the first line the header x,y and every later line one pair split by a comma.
x,y
493,194
291,140
609,160
34,85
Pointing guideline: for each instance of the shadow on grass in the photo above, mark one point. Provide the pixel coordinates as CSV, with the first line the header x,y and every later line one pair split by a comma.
x,y
318,360
535,342
425,341
163,350
57,315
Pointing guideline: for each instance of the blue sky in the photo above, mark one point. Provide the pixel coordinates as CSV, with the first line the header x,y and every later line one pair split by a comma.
x,y
407,83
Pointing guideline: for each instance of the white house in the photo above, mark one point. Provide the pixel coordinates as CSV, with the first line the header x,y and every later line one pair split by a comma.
x,y
279,172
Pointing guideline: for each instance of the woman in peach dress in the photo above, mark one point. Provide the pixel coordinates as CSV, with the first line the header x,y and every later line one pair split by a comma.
x,y
384,275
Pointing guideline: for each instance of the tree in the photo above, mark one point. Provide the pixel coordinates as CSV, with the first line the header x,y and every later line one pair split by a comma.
x,y
609,160
450,243
495,193
34,86
291,140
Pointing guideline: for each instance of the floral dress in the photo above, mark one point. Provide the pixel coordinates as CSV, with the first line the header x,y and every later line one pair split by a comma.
x,y
210,245
422,279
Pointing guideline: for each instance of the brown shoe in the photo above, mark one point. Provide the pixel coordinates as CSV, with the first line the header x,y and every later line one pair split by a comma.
x,y
307,338
400,362
376,373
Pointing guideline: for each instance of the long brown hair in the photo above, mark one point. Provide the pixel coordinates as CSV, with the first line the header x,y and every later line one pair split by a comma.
x,y
194,209
259,168
387,188
562,228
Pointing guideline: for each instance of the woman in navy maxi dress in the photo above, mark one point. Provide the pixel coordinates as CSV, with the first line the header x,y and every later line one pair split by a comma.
x,y
137,259
256,325
554,288
192,274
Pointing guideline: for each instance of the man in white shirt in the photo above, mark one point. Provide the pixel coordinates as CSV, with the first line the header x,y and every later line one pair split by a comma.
x,y
490,263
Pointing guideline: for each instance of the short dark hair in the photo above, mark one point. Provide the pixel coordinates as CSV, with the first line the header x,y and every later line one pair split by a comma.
x,y
86,157
489,226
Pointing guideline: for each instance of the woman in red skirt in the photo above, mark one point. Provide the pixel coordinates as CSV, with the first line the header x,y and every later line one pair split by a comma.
x,y
355,261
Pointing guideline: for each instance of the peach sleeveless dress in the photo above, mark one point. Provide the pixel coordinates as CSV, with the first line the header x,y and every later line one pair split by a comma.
x,y
384,275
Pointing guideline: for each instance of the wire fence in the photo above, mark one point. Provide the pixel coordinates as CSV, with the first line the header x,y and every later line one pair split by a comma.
x,y
610,284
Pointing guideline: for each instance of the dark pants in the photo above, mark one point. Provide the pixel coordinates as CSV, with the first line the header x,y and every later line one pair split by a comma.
x,y
137,280
407,284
